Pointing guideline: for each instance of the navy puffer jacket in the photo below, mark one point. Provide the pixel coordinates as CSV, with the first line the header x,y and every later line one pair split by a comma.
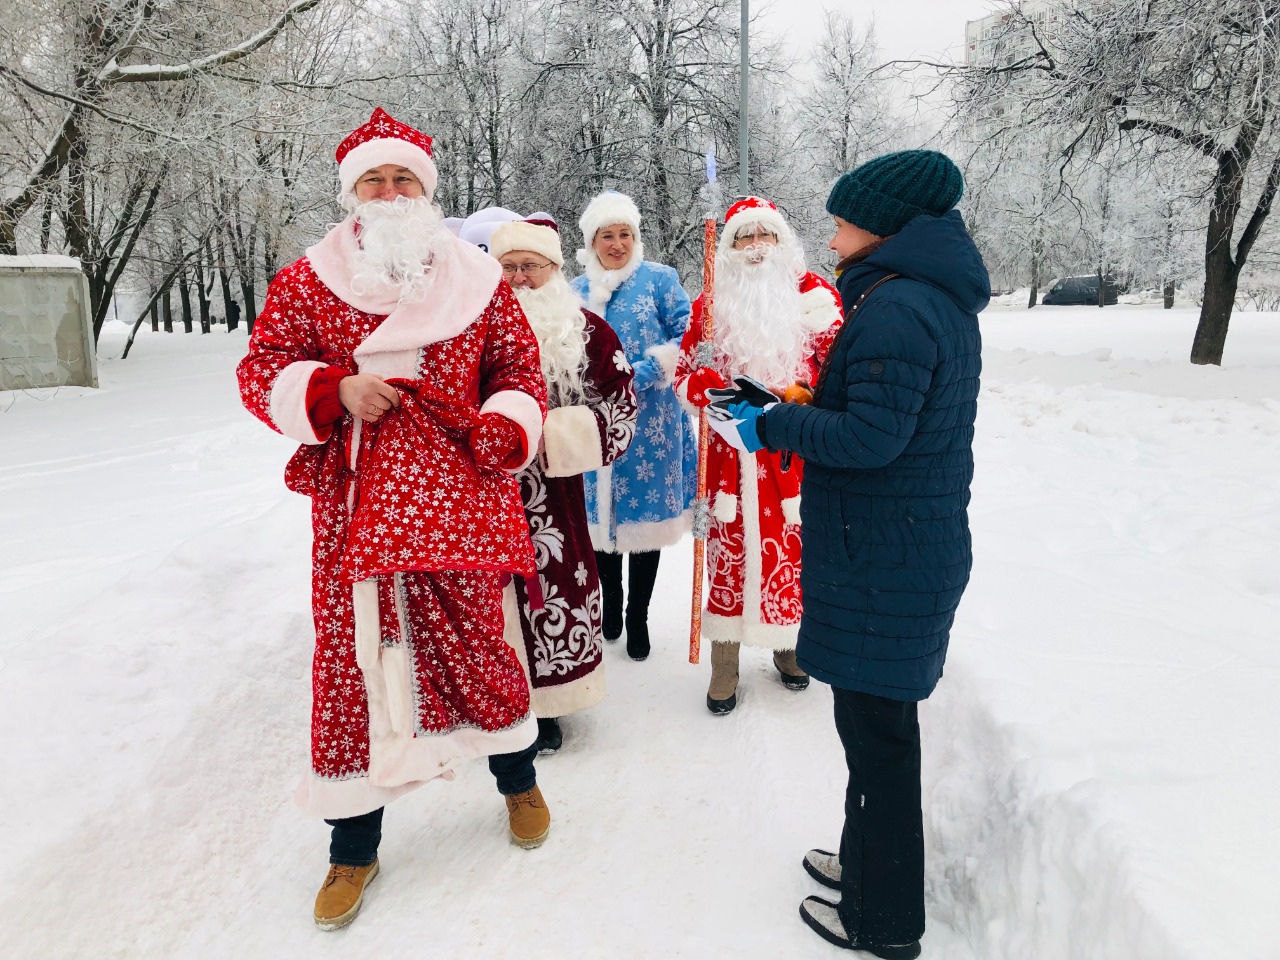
x,y
888,458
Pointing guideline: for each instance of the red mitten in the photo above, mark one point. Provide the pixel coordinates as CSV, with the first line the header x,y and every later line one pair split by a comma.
x,y
699,382
324,409
498,443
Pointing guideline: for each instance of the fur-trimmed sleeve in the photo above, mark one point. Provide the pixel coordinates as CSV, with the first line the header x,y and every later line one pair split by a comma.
x,y
598,431
511,381
284,354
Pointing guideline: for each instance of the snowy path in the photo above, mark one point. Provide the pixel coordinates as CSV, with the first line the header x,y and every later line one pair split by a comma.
x,y
1100,760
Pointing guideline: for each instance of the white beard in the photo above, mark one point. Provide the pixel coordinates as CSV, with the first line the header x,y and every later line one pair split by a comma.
x,y
397,241
555,314
759,326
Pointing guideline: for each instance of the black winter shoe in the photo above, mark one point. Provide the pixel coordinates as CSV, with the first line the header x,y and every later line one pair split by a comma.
x,y
721,707
824,920
822,865
609,566
550,736
637,639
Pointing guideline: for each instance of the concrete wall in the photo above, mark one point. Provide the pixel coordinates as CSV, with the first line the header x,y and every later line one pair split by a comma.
x,y
46,337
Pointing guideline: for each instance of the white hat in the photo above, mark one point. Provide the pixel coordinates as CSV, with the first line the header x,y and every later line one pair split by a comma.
x,y
539,234
605,210
380,140
478,228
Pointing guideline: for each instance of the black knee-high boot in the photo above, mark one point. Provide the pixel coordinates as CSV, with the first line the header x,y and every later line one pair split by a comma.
x,y
610,567
642,571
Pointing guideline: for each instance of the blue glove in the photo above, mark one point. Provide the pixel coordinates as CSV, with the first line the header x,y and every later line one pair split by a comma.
x,y
647,372
736,425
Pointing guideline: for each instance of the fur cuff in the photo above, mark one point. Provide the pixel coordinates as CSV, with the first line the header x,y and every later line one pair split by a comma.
x,y
288,406
524,411
725,507
668,356
571,442
819,309
791,510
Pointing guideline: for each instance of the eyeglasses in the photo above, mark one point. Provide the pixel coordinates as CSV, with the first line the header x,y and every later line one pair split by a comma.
x,y
762,236
528,269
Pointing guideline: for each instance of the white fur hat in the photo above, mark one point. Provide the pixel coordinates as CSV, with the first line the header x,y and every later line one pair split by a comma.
x,y
539,234
605,210
750,211
384,139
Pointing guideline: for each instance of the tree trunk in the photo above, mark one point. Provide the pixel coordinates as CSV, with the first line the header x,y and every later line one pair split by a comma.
x,y
168,309
1170,288
250,305
231,315
184,292
1221,278
202,293
155,317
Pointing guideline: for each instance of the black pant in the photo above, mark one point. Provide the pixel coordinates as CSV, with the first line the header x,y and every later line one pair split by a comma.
x,y
354,840
882,847
642,573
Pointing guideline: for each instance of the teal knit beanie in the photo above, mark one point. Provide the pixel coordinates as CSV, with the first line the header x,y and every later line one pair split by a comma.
x,y
883,194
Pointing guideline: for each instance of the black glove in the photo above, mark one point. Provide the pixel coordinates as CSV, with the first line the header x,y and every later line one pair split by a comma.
x,y
744,390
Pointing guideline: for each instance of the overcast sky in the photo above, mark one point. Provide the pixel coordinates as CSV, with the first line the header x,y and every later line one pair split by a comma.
x,y
906,29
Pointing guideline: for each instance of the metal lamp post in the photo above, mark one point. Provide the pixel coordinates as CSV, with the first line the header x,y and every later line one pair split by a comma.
x,y
744,113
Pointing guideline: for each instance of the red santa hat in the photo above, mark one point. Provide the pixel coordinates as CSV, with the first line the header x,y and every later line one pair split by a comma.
x,y
539,233
604,211
750,211
384,139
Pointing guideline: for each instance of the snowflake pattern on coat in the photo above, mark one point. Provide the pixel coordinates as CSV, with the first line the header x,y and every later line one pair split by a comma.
x,y
563,639
440,664
753,559
639,502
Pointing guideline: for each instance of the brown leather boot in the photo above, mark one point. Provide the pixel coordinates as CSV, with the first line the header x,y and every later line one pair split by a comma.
x,y
528,818
793,678
722,693
340,896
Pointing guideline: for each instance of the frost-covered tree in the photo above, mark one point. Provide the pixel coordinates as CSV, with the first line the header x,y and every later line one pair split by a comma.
x,y
1196,83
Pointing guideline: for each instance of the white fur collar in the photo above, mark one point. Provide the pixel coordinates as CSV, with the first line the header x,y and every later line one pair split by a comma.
x,y
463,279
602,283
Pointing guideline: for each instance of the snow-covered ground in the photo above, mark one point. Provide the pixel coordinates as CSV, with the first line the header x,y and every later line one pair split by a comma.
x,y
1101,765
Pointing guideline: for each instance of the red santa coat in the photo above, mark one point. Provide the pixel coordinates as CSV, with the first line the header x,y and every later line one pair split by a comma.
x,y
411,672
753,547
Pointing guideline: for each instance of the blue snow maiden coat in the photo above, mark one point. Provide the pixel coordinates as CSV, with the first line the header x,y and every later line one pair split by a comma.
x,y
642,501
888,456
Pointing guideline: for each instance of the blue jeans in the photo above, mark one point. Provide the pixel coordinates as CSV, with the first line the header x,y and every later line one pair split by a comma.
x,y
354,840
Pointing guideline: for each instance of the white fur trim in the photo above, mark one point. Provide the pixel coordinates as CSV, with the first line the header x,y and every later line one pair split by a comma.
x,y
567,698
667,355
637,537
725,507
406,764
765,636
602,283
374,153
364,608
523,410
605,210
818,309
791,510
771,220
571,442
399,761
288,406
753,559
519,235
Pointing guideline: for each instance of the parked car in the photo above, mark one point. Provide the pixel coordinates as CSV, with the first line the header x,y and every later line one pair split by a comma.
x,y
1081,290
